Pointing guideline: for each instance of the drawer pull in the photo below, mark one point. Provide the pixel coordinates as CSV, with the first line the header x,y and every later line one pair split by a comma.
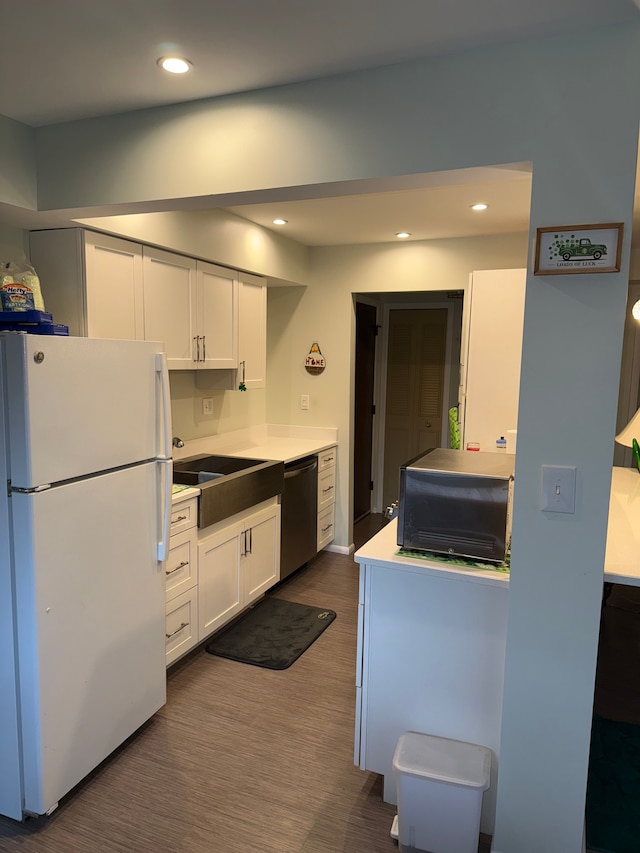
x,y
328,489
183,625
178,519
177,568
327,460
328,527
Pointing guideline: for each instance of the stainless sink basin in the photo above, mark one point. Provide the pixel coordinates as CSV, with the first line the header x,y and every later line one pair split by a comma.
x,y
228,484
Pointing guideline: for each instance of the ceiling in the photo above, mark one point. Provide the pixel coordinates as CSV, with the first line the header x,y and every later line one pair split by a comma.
x,y
85,58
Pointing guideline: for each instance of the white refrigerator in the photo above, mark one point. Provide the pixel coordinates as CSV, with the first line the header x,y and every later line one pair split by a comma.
x,y
85,500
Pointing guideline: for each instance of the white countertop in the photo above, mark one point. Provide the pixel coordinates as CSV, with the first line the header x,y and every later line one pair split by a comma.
x,y
269,442
622,557
381,550
184,494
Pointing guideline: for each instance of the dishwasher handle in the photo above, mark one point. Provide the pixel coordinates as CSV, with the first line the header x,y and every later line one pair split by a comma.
x,y
295,469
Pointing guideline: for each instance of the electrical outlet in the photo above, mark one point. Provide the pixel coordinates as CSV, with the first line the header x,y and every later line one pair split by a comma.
x,y
207,405
304,402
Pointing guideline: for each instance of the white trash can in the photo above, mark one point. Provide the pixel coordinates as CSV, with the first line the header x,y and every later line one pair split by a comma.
x,y
440,783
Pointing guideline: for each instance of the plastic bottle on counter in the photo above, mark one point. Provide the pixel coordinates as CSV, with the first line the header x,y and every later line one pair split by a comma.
x,y
501,444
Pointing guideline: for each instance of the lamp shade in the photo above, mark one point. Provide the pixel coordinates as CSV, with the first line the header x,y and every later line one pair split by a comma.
x,y
631,431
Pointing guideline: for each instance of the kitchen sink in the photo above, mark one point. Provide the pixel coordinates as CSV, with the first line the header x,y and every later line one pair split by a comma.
x,y
228,484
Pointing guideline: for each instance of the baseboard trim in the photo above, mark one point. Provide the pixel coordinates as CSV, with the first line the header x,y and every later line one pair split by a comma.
x,y
341,549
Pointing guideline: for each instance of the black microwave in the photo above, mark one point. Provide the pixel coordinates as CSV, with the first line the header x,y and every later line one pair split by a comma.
x,y
457,502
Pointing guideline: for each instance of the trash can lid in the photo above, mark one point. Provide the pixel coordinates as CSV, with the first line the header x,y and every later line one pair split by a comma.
x,y
443,759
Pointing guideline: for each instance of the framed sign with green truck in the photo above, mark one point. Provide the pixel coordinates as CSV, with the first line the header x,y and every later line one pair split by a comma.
x,y
578,249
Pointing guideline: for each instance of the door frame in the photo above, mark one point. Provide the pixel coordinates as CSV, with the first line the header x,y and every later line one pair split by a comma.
x,y
381,388
377,305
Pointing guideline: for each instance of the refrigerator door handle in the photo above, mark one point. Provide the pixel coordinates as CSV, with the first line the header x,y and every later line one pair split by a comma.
x,y
165,406
166,478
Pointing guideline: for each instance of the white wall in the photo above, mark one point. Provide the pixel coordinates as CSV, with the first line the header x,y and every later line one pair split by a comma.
x,y
14,244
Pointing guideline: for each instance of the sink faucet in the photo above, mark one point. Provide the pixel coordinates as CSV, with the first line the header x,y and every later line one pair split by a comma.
x,y
177,442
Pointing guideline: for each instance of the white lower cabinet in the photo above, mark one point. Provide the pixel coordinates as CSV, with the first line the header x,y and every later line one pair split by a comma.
x,y
181,630
237,563
326,496
181,573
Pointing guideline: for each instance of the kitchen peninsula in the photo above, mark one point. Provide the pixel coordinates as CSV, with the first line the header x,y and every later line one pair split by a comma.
x,y
432,639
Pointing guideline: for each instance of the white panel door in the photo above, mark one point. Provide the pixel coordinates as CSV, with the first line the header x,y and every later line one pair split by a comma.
x,y
90,613
217,316
79,405
252,344
220,593
113,277
170,305
260,564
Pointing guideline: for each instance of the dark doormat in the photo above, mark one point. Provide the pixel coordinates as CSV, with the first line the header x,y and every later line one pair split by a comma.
x,y
273,634
613,787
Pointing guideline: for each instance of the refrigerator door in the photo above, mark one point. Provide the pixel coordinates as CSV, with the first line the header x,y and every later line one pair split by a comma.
x,y
77,406
10,778
89,605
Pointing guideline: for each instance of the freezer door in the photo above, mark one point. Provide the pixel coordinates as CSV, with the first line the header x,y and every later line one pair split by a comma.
x,y
90,606
81,405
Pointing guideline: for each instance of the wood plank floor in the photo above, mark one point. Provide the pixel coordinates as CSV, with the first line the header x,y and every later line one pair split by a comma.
x,y
241,758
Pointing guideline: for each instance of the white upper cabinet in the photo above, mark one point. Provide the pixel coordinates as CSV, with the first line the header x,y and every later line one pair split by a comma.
x,y
252,343
90,282
206,316
217,315
192,306
170,311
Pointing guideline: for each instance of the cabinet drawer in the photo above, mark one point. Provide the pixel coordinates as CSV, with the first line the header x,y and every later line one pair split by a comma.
x,y
184,515
181,566
327,458
326,530
326,488
181,624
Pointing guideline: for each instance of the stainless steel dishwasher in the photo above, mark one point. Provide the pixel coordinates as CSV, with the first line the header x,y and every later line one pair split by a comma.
x,y
299,514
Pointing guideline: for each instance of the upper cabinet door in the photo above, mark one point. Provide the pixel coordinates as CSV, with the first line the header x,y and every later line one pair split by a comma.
x,y
252,344
113,279
217,326
170,306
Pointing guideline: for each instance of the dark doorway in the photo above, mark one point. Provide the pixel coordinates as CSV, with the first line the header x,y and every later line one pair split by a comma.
x,y
366,328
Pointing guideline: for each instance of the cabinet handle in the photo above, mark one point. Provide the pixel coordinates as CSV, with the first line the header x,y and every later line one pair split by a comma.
x,y
250,532
177,568
173,633
204,347
328,527
328,489
327,460
178,519
196,341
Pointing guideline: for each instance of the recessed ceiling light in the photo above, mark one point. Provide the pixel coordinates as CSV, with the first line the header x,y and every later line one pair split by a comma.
x,y
280,221
480,206
402,235
174,64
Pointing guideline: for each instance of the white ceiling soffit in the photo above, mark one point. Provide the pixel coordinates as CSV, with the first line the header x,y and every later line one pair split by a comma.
x,y
72,59
438,207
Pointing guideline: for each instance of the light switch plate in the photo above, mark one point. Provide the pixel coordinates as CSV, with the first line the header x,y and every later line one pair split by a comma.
x,y
304,402
207,405
558,488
